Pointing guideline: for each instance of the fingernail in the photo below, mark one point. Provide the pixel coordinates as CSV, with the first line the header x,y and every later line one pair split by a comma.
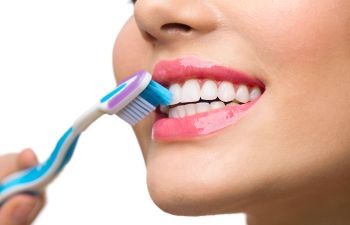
x,y
22,212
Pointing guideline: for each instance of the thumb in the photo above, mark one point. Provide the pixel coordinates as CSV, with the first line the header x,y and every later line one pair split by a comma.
x,y
11,163
27,158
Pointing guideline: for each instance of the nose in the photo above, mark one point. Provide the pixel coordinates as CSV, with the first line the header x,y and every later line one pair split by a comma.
x,y
163,21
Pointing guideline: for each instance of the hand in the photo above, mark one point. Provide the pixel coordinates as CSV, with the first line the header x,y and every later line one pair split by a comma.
x,y
21,209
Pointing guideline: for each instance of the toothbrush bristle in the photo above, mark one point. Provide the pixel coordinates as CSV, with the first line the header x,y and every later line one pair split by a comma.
x,y
138,109
153,96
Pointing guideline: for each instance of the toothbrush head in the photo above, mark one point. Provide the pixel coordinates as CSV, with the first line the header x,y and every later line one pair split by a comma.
x,y
135,97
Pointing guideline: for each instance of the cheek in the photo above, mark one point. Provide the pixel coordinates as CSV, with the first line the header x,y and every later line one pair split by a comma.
x,y
130,52
301,31
303,47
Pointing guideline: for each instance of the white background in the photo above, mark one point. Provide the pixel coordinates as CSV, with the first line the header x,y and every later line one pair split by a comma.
x,y
55,62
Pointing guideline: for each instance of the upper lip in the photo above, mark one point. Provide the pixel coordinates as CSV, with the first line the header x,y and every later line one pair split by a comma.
x,y
178,70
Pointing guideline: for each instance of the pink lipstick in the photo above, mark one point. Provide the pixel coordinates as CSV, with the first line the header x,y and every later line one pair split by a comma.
x,y
179,70
168,72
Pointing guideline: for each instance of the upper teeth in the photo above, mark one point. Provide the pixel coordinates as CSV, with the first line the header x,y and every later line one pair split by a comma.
x,y
209,90
226,91
194,90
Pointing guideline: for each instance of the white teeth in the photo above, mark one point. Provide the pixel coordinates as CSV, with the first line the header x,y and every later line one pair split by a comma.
x,y
190,109
191,91
173,113
226,91
202,107
232,104
217,105
177,112
175,90
209,90
255,93
181,111
242,93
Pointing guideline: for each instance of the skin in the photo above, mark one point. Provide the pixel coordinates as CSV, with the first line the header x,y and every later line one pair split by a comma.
x,y
21,209
286,162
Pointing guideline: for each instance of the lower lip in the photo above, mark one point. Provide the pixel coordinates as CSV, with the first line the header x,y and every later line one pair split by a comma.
x,y
189,127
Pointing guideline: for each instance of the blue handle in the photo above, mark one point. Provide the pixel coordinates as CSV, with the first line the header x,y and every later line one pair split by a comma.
x,y
35,173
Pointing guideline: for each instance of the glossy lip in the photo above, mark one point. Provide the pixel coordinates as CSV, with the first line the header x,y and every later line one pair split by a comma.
x,y
179,70
201,124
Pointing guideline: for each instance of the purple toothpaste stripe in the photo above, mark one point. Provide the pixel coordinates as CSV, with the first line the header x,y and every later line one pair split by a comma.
x,y
140,76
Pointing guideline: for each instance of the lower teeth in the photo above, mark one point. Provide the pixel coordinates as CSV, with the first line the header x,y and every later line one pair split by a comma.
x,y
182,110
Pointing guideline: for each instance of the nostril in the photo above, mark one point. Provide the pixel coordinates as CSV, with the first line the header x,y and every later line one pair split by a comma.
x,y
176,27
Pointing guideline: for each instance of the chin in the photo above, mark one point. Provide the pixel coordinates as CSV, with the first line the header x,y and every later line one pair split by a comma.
x,y
184,199
194,188
195,199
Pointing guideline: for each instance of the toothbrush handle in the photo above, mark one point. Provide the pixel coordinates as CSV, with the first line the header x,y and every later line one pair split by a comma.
x,y
35,179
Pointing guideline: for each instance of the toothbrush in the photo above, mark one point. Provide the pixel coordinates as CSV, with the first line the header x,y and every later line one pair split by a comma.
x,y
132,100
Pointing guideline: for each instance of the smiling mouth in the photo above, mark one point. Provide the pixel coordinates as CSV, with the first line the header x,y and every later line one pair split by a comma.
x,y
206,98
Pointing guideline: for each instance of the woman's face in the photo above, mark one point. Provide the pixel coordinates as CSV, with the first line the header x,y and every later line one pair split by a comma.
x,y
292,140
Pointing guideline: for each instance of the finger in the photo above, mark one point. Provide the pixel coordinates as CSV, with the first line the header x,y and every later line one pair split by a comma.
x,y
12,163
8,165
36,211
26,159
20,210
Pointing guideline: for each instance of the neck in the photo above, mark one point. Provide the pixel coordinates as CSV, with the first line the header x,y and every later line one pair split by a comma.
x,y
328,205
